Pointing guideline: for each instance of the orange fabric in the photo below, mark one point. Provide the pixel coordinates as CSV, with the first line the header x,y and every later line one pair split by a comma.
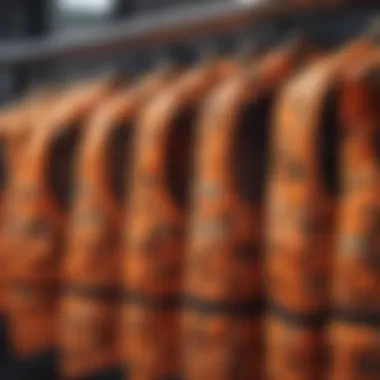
x,y
223,279
16,124
301,223
153,263
93,258
354,331
141,276
36,224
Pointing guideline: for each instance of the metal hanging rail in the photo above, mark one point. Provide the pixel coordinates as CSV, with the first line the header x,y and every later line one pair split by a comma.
x,y
148,30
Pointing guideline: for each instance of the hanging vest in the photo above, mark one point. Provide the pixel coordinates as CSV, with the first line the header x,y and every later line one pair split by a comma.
x,y
302,198
223,279
39,200
355,329
89,331
153,262
9,117
15,126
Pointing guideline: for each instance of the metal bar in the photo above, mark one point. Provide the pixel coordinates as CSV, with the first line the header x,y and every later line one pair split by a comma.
x,y
149,30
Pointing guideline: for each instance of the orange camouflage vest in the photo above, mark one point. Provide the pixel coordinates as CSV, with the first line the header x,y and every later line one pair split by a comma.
x,y
223,281
92,271
16,124
38,202
354,333
153,262
300,228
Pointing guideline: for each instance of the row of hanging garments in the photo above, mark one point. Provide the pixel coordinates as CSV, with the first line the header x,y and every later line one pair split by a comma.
x,y
213,222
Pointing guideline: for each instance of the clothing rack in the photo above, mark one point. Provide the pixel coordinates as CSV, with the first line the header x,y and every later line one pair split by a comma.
x,y
146,32
160,28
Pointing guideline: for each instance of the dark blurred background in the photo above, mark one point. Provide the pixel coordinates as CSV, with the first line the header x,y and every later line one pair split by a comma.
x,y
25,19
35,19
